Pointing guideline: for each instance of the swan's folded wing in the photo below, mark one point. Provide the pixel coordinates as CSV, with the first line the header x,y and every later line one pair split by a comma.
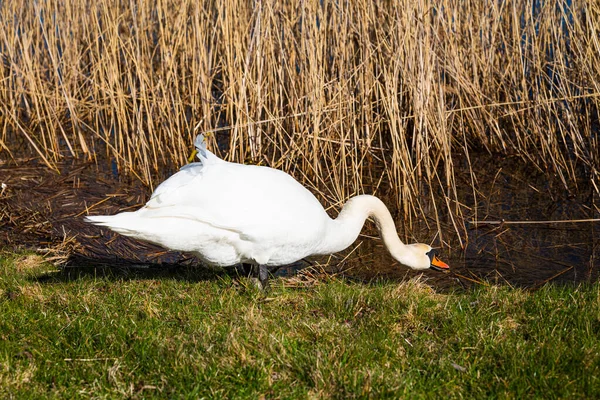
x,y
169,190
189,174
187,214
256,203
247,227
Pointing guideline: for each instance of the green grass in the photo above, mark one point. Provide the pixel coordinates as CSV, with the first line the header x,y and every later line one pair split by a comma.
x,y
192,334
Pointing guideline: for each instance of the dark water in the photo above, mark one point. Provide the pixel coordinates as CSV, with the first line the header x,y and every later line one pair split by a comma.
x,y
515,252
44,208
528,254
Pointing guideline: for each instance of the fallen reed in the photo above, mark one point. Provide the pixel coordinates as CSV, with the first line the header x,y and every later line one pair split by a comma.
x,y
345,96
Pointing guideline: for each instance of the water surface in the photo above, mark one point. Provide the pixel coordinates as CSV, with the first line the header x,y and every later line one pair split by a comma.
x,y
42,210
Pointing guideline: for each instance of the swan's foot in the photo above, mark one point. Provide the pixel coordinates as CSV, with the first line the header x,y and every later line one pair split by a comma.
x,y
262,276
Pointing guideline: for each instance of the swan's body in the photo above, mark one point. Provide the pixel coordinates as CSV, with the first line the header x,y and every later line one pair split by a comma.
x,y
228,213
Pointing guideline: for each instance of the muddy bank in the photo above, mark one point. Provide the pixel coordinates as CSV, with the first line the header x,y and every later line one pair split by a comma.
x,y
43,211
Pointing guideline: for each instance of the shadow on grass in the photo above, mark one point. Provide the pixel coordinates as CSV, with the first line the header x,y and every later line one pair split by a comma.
x,y
118,269
82,268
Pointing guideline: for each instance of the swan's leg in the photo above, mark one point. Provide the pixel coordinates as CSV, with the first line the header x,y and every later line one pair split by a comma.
x,y
245,269
263,276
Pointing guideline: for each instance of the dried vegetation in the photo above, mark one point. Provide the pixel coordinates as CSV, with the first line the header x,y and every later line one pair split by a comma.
x,y
381,97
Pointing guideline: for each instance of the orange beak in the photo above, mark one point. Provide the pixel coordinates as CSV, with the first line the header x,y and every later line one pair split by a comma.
x,y
438,264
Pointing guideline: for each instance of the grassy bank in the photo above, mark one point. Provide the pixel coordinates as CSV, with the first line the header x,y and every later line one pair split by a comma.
x,y
189,333
344,95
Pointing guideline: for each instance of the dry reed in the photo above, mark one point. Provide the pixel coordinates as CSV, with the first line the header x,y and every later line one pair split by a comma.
x,y
343,95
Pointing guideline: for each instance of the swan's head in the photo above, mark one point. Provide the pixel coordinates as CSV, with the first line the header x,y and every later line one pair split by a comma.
x,y
421,256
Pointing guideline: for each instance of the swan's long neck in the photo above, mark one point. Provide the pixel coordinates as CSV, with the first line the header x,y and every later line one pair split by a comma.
x,y
344,230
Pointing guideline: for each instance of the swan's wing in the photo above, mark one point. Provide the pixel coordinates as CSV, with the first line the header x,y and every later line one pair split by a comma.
x,y
258,203
170,187
189,173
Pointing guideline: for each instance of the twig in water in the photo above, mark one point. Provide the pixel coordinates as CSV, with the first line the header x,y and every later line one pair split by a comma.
x,y
563,221
553,277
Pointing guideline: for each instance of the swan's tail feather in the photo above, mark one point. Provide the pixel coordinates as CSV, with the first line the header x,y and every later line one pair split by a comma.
x,y
120,223
200,144
204,155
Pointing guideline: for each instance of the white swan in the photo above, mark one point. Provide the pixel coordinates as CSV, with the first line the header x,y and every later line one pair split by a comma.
x,y
228,213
